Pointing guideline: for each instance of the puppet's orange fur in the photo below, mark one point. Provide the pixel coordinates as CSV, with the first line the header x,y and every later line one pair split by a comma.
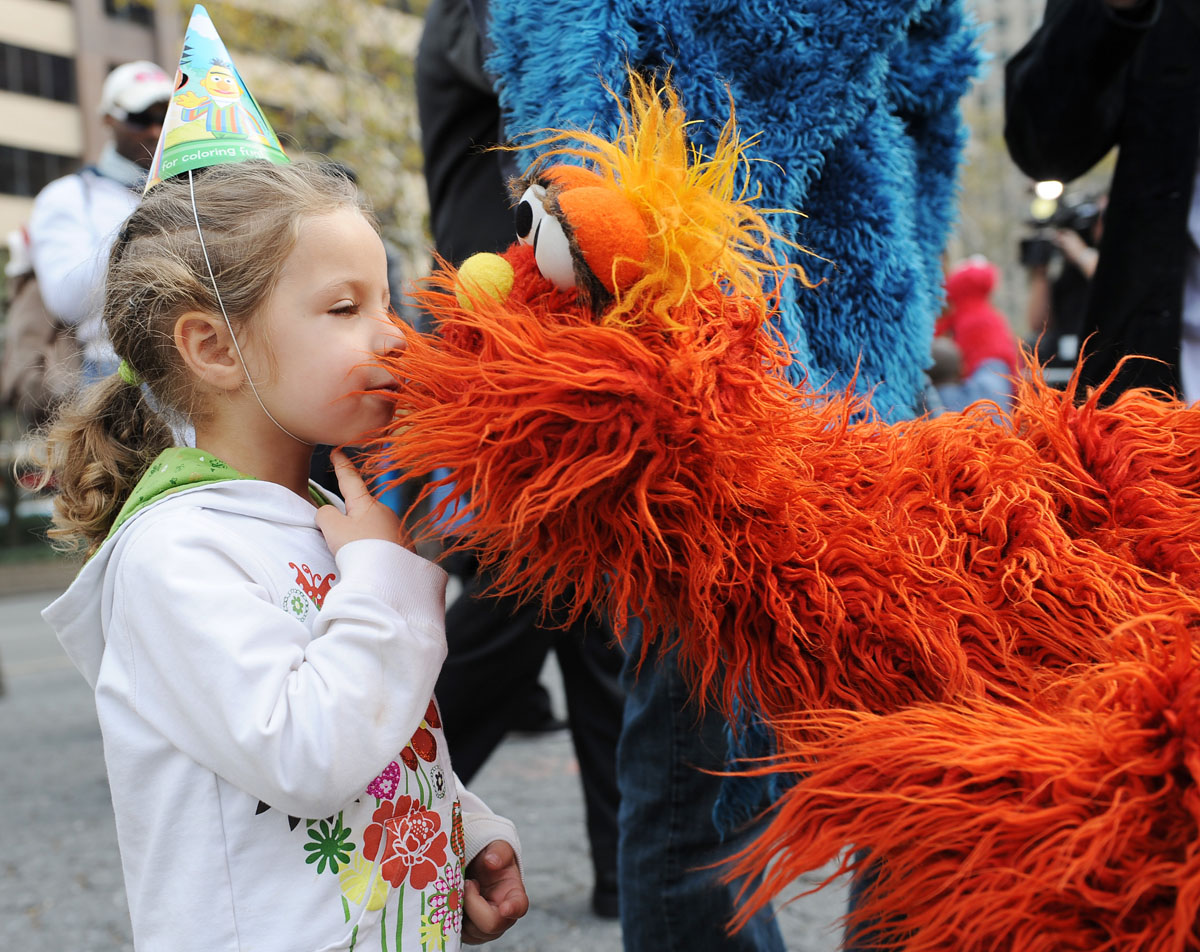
x,y
973,637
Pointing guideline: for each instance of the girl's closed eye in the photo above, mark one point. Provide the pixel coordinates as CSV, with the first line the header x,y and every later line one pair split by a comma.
x,y
345,308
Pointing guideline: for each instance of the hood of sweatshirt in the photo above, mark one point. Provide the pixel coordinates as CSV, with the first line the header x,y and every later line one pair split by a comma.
x,y
77,615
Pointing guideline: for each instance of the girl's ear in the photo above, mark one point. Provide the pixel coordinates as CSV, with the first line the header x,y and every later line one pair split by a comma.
x,y
208,350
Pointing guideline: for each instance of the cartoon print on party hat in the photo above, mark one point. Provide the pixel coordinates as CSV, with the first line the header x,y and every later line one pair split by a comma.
x,y
212,118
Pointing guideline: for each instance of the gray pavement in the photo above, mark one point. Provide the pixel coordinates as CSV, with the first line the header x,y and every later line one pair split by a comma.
x,y
60,873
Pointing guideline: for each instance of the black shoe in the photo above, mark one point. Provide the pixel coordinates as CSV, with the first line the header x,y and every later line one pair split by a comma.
x,y
533,714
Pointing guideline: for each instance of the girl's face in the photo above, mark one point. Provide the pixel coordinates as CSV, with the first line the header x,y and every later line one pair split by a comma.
x,y
318,332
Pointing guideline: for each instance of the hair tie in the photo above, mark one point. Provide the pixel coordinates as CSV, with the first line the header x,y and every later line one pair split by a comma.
x,y
126,372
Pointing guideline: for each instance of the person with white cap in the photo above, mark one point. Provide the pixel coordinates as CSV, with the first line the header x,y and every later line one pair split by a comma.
x,y
75,218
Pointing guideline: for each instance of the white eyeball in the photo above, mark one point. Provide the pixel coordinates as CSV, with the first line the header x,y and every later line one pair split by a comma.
x,y
552,252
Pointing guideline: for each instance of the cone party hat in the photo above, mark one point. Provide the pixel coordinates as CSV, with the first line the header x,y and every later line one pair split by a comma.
x,y
212,118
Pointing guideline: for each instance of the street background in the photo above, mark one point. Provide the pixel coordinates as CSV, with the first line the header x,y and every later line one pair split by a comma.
x,y
60,873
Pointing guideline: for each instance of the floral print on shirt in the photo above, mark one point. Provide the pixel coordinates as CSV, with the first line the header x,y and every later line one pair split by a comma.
x,y
447,901
413,842
409,850
407,862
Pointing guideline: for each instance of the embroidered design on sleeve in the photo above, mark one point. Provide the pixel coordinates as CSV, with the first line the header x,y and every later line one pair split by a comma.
x,y
309,591
295,603
313,584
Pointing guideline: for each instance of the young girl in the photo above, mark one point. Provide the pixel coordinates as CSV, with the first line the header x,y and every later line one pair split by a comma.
x,y
263,656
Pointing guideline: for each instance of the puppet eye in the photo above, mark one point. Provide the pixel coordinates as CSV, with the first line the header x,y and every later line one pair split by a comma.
x,y
530,211
552,252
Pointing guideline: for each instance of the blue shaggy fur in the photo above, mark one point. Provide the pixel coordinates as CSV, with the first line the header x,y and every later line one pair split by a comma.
x,y
856,105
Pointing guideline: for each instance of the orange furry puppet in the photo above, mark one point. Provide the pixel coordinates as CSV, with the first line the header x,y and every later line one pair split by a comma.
x,y
970,638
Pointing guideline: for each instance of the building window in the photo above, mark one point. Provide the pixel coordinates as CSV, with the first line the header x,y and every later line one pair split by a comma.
x,y
129,10
27,172
35,73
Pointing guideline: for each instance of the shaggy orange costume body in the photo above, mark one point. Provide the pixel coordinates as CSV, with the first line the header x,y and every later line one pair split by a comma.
x,y
926,614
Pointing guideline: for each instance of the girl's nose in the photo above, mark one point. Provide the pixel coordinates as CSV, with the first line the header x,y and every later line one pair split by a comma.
x,y
389,336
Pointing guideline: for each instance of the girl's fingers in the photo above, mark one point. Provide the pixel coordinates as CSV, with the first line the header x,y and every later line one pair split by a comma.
x,y
350,483
483,918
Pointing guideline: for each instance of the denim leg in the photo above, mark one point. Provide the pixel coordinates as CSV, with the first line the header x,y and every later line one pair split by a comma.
x,y
865,936
669,903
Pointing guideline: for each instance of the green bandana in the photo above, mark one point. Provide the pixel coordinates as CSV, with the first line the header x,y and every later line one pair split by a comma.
x,y
180,467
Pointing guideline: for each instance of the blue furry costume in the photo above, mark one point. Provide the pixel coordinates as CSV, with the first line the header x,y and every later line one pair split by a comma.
x,y
856,105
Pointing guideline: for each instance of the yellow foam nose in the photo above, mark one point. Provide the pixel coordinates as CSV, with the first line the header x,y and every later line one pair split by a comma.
x,y
481,274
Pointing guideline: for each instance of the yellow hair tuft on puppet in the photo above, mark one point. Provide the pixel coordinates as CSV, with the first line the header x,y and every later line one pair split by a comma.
x,y
702,227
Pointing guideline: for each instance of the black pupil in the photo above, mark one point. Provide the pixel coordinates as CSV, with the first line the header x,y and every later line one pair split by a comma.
x,y
524,219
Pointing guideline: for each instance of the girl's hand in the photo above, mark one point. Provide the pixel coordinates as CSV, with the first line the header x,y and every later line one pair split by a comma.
x,y
495,895
365,517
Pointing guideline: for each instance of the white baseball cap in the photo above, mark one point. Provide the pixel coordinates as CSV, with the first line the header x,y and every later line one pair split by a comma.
x,y
134,87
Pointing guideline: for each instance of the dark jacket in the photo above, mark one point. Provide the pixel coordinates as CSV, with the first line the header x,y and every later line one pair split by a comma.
x,y
460,120
1090,79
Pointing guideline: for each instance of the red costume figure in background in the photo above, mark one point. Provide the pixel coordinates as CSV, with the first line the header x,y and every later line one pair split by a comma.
x,y
972,321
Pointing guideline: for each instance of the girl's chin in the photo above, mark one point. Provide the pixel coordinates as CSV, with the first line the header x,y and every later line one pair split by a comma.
x,y
366,426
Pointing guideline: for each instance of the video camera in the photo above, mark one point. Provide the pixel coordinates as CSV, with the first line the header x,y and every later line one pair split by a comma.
x,y
1077,215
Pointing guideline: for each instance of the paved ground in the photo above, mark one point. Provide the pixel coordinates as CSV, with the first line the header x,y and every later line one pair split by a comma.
x,y
60,876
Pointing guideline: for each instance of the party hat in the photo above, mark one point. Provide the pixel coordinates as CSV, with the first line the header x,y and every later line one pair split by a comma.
x,y
212,119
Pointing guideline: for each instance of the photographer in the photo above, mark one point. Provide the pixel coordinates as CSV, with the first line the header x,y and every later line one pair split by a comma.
x,y
1061,257
1104,73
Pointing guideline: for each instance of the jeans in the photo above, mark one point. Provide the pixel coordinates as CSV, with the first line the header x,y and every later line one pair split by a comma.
x,y
669,903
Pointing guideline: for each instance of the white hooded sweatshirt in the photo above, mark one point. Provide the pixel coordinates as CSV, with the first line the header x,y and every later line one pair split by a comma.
x,y
278,772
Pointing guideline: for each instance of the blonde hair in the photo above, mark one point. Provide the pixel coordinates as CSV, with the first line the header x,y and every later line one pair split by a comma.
x,y
102,442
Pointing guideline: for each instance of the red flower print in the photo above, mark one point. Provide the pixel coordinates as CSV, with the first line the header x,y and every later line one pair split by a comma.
x,y
423,743
431,714
373,834
414,847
